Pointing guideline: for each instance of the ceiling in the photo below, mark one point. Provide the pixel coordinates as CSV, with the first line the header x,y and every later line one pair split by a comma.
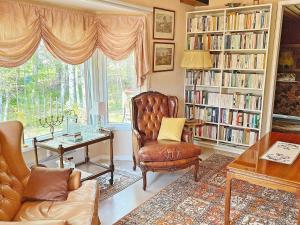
x,y
96,5
292,12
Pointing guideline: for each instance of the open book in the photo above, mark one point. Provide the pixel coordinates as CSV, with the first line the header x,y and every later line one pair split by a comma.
x,y
282,152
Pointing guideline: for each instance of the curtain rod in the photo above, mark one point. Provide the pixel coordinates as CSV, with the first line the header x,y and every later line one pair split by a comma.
x,y
122,4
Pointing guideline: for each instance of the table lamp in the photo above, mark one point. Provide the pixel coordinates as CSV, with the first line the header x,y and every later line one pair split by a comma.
x,y
286,60
196,60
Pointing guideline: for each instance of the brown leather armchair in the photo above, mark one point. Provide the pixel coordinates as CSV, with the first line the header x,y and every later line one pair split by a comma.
x,y
148,109
81,206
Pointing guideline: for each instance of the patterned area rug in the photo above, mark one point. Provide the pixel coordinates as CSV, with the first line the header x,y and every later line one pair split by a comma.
x,y
187,202
122,179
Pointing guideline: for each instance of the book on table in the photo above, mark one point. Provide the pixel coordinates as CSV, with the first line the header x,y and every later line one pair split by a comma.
x,y
282,152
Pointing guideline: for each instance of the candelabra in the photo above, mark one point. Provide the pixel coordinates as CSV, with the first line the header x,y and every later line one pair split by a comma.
x,y
51,122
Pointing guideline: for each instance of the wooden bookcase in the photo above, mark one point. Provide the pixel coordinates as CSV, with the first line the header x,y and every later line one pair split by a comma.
x,y
230,96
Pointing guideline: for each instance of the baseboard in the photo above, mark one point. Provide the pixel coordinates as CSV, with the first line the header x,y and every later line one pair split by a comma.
x,y
224,148
116,157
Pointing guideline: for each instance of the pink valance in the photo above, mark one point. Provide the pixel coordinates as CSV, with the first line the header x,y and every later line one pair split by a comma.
x,y
70,35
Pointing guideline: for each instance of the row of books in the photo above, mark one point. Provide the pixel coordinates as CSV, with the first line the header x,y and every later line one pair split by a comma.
x,y
243,80
207,131
189,112
202,97
205,23
246,41
216,60
245,61
209,78
241,101
205,42
253,20
207,114
238,136
239,118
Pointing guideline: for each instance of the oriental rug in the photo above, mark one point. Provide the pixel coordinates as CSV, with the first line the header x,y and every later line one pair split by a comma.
x,y
186,202
122,180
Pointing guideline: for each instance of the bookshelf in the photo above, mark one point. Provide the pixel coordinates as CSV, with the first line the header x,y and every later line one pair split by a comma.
x,y
229,96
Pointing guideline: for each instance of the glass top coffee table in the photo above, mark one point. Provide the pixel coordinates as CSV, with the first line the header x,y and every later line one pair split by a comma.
x,y
62,144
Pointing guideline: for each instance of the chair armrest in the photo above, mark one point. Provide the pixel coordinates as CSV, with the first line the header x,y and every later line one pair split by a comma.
x,y
136,139
187,136
74,180
36,222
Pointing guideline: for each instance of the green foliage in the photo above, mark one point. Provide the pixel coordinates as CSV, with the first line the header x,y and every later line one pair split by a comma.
x,y
26,91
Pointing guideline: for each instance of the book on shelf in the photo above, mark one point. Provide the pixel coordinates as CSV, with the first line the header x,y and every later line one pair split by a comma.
x,y
206,78
205,42
189,112
242,80
258,19
189,96
244,61
247,40
207,114
202,97
238,136
216,60
239,118
241,101
207,131
206,23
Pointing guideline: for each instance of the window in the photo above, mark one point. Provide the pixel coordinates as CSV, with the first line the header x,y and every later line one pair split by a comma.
x,y
41,85
45,84
120,86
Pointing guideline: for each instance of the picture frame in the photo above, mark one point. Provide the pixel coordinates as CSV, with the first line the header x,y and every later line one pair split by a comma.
x,y
163,24
163,56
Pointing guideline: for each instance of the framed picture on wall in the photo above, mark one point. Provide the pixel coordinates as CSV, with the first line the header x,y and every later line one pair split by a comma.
x,y
163,24
163,56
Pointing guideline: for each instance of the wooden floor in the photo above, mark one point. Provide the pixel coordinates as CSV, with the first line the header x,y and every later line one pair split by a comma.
x,y
114,208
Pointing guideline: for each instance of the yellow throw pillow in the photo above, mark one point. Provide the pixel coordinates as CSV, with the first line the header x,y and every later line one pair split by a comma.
x,y
171,129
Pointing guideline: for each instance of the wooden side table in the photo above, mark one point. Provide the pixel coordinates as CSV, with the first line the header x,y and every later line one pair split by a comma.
x,y
60,146
192,124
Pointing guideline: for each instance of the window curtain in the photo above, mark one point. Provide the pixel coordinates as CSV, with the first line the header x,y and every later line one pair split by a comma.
x,y
73,36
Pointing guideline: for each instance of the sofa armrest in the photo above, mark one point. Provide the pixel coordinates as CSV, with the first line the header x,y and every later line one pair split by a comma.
x,y
74,180
187,136
36,222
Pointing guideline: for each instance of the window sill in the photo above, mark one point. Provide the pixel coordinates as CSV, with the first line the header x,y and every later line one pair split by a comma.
x,y
118,127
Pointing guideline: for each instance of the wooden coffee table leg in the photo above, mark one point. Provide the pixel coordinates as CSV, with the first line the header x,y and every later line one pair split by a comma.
x,y
227,198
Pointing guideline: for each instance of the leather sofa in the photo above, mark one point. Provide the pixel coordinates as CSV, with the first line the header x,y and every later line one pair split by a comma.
x,y
80,208
148,109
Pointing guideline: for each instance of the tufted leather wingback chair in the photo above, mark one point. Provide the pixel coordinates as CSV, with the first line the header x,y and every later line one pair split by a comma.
x,y
81,206
148,109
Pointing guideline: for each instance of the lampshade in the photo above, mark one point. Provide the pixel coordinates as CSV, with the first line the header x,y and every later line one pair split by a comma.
x,y
286,58
196,59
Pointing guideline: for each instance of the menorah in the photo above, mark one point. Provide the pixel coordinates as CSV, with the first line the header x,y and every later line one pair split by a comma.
x,y
51,122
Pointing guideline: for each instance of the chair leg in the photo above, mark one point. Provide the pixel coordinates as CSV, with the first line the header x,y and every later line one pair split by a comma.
x,y
134,162
196,170
144,180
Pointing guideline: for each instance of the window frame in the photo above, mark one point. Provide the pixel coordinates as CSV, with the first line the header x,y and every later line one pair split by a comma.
x,y
113,126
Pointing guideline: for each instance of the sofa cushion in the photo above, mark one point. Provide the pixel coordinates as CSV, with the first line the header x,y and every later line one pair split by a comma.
x,y
50,184
162,151
78,209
